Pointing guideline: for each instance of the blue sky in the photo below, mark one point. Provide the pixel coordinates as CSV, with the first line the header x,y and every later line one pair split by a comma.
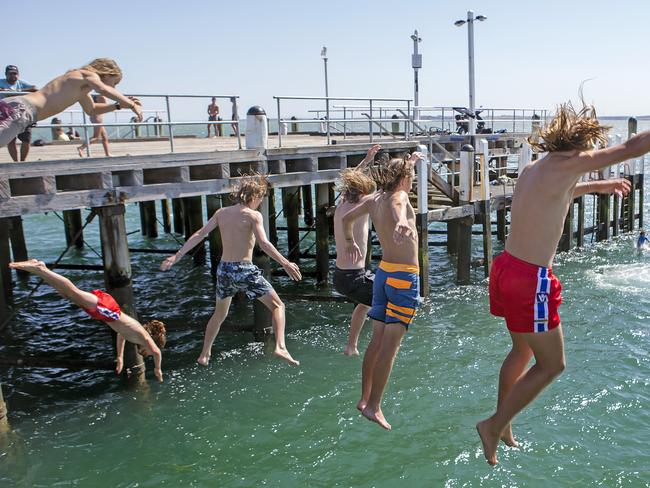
x,y
528,54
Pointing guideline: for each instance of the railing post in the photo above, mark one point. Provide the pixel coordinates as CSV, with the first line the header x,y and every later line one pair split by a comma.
x,y
407,124
370,121
235,117
525,156
86,136
422,220
345,124
279,118
170,127
327,118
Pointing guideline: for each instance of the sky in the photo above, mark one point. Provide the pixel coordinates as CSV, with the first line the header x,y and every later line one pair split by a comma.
x,y
528,54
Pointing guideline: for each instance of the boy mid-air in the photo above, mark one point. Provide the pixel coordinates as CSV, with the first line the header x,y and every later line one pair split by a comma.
x,y
241,225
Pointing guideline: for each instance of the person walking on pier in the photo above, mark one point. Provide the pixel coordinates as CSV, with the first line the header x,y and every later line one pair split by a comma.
x,y
101,75
351,279
13,83
241,225
213,116
523,289
150,337
395,293
99,131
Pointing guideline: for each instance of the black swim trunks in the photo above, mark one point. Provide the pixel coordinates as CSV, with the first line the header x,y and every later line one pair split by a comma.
x,y
26,135
355,284
212,118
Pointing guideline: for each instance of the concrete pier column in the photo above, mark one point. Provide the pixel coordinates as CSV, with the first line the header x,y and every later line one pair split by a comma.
x,y
72,224
117,274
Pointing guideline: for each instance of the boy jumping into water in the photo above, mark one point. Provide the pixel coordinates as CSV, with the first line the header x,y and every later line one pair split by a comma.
x,y
149,338
395,294
240,226
101,75
351,279
523,288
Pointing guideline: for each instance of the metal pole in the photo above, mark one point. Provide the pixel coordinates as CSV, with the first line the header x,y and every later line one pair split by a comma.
x,y
170,127
86,137
327,103
370,121
279,134
407,124
470,55
345,124
416,62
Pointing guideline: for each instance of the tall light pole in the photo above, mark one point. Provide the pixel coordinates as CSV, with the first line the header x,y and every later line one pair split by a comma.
x,y
416,62
323,54
470,58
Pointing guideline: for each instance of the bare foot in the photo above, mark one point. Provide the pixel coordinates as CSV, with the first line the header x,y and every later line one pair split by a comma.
x,y
376,416
284,354
507,437
109,155
203,360
30,266
351,350
80,151
362,405
489,440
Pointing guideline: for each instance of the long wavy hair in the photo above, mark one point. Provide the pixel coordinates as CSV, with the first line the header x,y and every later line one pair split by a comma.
x,y
353,184
104,67
250,186
389,175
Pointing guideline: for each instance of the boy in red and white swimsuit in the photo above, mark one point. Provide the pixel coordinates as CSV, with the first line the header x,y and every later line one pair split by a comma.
x,y
523,288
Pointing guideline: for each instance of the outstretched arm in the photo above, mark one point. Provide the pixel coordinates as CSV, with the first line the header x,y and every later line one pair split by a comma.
x,y
119,360
292,269
398,204
634,147
619,186
195,239
100,87
133,332
359,210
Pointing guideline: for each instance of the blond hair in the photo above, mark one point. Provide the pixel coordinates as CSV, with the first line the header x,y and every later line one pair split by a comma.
x,y
353,184
250,186
570,130
389,175
104,67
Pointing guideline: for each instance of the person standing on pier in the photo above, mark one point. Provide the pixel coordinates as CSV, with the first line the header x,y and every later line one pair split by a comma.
x,y
99,131
523,288
351,279
101,75
241,225
150,337
12,83
213,116
395,293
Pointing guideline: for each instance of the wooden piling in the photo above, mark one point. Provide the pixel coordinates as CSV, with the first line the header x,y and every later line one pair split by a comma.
x,y
322,233
464,250
307,205
580,238
17,238
290,208
422,225
615,215
501,224
452,237
6,284
273,227
632,203
72,224
603,217
332,203
166,216
177,210
566,240
640,178
213,203
148,223
486,217
117,274
193,211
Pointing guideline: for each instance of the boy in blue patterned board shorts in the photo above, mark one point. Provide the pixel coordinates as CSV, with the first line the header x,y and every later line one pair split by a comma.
x,y
241,226
395,293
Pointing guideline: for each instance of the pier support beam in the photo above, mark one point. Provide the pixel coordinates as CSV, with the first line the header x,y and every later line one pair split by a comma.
x,y
603,217
166,216
332,198
486,217
566,240
307,206
117,275
580,239
290,206
422,220
273,227
177,209
464,250
6,285
452,237
213,203
72,224
193,212
640,182
322,233
17,238
501,224
148,223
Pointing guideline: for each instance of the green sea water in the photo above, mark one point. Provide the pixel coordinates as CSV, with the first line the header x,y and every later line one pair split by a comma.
x,y
250,420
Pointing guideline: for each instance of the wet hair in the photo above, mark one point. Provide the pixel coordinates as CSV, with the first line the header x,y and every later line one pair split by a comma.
x,y
104,67
353,184
570,130
388,176
250,186
157,331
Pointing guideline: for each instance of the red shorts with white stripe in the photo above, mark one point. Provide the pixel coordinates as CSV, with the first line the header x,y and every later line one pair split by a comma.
x,y
107,309
526,295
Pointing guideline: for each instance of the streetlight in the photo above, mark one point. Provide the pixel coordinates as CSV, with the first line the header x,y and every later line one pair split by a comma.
x,y
416,62
323,54
470,55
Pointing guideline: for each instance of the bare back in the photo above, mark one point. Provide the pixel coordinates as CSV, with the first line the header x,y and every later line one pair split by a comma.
x,y
59,94
236,228
540,203
384,221
360,233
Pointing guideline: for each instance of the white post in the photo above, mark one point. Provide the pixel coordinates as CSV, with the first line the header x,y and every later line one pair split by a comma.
x,y
257,135
485,170
470,55
422,174
525,156
466,164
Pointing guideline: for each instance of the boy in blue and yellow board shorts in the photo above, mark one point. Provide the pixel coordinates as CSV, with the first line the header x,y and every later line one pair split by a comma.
x,y
395,290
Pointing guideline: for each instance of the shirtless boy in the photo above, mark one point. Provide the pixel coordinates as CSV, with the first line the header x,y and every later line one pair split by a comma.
x,y
351,279
149,338
241,226
523,288
99,131
213,116
101,75
395,294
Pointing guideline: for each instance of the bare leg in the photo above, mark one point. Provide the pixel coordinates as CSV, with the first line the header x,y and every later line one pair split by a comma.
x,y
369,361
212,329
208,130
390,342
60,283
275,305
548,348
13,152
512,369
24,151
104,137
358,318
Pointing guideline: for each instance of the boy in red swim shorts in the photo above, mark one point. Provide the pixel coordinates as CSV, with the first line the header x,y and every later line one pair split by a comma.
x,y
150,337
523,289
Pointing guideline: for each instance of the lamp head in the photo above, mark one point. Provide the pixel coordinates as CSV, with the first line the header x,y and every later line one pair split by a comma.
x,y
481,18
323,52
459,23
